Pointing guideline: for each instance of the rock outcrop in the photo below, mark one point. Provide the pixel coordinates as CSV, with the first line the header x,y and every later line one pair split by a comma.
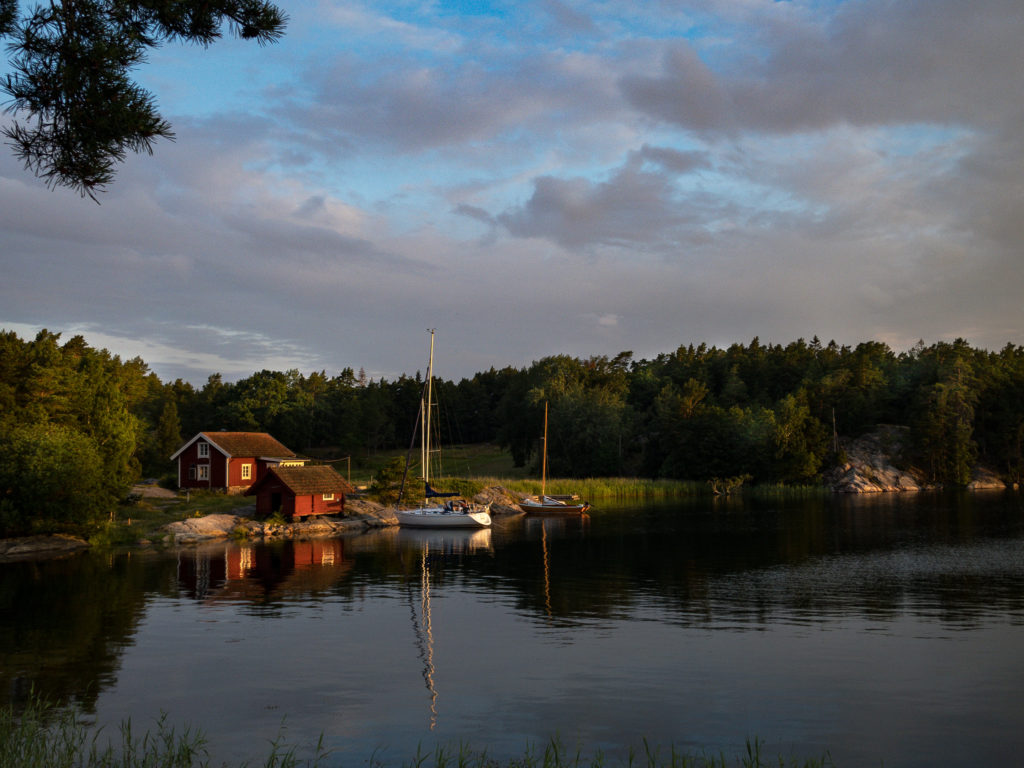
x,y
871,461
502,501
869,465
983,479
360,515
40,547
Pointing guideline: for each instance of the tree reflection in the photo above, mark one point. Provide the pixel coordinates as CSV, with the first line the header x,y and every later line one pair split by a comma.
x,y
65,623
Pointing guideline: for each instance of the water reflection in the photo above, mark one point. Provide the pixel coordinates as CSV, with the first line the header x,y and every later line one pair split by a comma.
x,y
711,614
64,624
550,529
262,574
432,548
445,543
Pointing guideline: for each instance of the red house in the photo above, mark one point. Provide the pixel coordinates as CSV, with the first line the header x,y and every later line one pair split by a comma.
x,y
300,492
229,461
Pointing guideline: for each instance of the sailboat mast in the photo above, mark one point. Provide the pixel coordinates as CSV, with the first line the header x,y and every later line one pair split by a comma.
x,y
425,438
423,432
544,459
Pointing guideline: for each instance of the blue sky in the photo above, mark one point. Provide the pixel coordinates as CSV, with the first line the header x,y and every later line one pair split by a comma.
x,y
548,177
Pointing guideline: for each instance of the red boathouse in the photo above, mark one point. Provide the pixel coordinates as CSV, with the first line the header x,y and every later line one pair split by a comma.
x,y
300,492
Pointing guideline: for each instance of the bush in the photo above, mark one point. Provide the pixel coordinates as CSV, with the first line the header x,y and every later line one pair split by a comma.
x,y
52,480
276,518
462,486
386,483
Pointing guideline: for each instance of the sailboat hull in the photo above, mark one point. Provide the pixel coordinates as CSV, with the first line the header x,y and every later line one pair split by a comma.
x,y
439,517
549,506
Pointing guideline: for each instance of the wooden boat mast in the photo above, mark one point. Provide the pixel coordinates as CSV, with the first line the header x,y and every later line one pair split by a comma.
x,y
544,459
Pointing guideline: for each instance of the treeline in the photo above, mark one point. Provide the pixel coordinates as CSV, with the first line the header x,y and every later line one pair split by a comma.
x,y
72,422
768,411
72,417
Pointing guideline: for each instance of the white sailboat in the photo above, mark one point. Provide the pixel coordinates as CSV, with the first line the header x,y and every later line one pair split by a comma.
x,y
452,513
551,505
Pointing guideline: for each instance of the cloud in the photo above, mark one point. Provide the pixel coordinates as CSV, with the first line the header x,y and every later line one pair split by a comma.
x,y
633,209
365,22
869,63
568,18
549,178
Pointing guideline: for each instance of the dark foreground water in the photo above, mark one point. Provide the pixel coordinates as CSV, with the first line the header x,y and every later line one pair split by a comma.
x,y
877,629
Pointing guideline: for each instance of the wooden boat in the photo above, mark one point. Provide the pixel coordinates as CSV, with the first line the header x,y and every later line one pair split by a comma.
x,y
553,504
453,512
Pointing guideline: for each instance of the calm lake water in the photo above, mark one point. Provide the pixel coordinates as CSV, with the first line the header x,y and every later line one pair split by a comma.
x,y
877,629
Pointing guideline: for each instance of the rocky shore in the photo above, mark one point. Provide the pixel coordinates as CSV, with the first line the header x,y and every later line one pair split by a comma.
x,y
360,515
29,547
874,464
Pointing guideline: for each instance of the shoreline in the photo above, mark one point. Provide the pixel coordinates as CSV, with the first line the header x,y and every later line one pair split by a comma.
x,y
865,472
362,515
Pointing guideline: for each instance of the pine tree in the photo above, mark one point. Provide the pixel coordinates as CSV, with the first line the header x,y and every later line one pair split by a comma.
x,y
81,112
168,430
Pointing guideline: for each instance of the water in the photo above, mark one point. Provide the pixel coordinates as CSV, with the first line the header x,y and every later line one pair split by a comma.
x,y
877,629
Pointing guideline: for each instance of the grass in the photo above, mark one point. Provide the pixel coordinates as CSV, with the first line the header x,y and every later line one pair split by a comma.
x,y
44,736
592,488
556,755
469,468
143,518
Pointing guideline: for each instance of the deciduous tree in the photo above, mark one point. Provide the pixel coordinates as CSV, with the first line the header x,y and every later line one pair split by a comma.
x,y
51,478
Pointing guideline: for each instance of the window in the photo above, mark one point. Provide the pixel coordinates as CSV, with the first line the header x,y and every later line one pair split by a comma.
x,y
204,450
192,472
328,497
247,471
204,472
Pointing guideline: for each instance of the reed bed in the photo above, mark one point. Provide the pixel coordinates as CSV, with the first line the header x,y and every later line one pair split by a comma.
x,y
44,736
591,488
595,488
780,491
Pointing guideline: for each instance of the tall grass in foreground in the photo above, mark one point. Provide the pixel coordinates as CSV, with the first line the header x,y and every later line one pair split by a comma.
x,y
43,736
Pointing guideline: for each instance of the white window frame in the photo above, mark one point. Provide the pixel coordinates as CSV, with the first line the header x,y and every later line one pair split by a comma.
x,y
203,450
202,472
328,497
247,471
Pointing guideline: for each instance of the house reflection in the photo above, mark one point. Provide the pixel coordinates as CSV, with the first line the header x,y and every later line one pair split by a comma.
x,y
261,572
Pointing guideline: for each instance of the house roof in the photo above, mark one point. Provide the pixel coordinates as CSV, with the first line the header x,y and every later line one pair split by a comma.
x,y
303,481
241,444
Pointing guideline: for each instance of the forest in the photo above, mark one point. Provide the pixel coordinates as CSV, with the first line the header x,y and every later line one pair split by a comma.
x,y
78,425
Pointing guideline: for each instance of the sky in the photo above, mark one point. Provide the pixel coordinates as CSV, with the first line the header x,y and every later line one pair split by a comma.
x,y
543,177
